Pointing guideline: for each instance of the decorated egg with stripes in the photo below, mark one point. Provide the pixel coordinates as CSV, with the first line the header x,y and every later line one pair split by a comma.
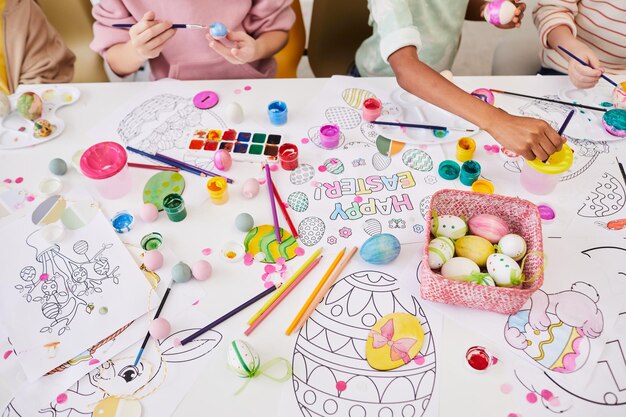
x,y
440,250
242,359
449,226
354,97
262,239
417,160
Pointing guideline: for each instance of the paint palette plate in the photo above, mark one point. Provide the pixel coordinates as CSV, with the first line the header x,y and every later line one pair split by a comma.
x,y
416,110
243,146
599,96
17,132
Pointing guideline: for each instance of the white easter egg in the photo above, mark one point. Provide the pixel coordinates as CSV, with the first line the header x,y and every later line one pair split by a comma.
x,y
504,270
242,359
512,245
449,226
439,251
234,112
459,267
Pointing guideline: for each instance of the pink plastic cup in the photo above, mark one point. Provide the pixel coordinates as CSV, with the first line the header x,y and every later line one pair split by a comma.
x,y
105,164
372,108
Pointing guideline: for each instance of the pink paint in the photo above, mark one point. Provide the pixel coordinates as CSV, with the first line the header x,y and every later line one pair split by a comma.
x,y
19,180
273,167
207,251
321,168
268,284
341,386
8,180
7,354
358,199
248,88
270,269
513,415
43,277
304,141
30,197
299,251
195,303
419,359
61,398
546,394
506,388
248,259
93,362
531,397
177,343
237,91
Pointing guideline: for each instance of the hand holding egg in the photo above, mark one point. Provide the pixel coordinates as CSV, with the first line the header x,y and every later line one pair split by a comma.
x,y
504,14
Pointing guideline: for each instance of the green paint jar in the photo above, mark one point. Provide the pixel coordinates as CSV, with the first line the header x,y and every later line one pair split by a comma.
x,y
151,241
174,206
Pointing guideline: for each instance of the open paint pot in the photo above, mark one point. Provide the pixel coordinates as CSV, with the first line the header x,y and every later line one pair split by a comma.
x,y
372,108
540,177
174,206
288,156
105,164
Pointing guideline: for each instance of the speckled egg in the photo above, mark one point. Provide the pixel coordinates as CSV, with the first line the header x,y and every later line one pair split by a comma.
x,y
181,272
449,226
58,166
504,270
29,106
243,359
512,245
458,268
380,249
42,128
439,251
244,222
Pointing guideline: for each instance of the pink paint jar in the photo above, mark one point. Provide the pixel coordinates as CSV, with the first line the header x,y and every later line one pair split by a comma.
x,y
541,178
105,164
329,136
288,156
372,108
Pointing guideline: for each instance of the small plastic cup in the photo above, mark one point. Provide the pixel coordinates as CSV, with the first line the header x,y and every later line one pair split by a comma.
x,y
288,156
152,241
541,178
105,164
218,190
372,108
174,206
277,112
470,171
449,170
329,136
465,148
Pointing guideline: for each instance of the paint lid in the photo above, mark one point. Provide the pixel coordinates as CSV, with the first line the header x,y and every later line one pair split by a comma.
x,y
449,170
483,186
546,212
557,163
103,160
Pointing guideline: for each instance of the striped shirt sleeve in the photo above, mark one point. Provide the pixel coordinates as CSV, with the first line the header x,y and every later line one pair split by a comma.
x,y
548,14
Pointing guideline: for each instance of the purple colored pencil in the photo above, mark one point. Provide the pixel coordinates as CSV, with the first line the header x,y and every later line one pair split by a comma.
x,y
270,187
204,171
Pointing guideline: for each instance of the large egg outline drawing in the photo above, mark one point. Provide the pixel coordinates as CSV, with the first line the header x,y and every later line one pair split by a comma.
x,y
311,230
344,117
303,174
354,97
331,376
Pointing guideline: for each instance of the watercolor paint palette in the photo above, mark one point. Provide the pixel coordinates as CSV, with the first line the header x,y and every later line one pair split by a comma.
x,y
247,146
18,132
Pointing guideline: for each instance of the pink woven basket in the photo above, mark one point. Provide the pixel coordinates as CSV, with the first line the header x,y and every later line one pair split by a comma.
x,y
523,219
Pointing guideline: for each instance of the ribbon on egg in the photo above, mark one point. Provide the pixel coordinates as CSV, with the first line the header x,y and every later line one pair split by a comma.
x,y
249,365
262,370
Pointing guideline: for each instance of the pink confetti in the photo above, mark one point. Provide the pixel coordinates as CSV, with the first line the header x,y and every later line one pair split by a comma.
x,y
43,277
280,261
195,303
304,140
341,386
321,168
299,251
19,180
546,394
270,269
506,388
494,360
177,343
8,180
268,284
93,362
207,251
273,167
261,181
237,91
248,259
513,415
531,397
61,398
358,199
30,197
419,359
554,402
7,354
248,88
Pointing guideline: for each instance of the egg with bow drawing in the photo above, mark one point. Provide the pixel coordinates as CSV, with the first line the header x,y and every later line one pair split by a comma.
x,y
331,373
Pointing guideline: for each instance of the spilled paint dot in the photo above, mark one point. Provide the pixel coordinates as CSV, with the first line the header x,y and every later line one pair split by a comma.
x,y
546,394
8,180
506,388
299,251
358,199
341,386
7,354
19,180
270,269
94,362
248,259
30,197
513,415
304,140
248,88
606,104
61,398
43,277
531,397
419,359
273,167
207,251
321,168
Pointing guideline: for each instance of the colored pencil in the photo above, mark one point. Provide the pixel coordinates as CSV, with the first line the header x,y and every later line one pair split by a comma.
x,y
586,64
621,168
174,25
156,315
316,290
566,122
282,296
284,287
567,103
331,281
190,166
420,126
270,187
155,167
156,158
228,315
279,200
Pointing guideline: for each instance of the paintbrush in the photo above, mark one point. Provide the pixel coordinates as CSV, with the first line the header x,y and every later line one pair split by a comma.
x,y
174,25
420,126
582,106
587,65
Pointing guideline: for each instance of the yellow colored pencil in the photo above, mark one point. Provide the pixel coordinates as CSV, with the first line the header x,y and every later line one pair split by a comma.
x,y
284,286
325,289
315,291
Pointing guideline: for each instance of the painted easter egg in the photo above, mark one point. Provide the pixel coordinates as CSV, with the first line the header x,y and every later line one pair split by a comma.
x,y
262,239
380,161
459,268
29,106
485,95
162,184
42,128
311,230
394,341
117,407
619,96
439,251
560,348
512,245
5,105
303,174
449,226
298,201
504,270
153,260
149,213
250,188
499,12
417,160
331,375
181,272
344,117
334,166
614,122
372,227
488,226
380,249
354,97
242,359
160,328
388,147
202,270
476,248
222,160
244,222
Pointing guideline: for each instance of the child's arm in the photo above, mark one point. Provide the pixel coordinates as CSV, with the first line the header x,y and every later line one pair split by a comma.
x,y
531,138
475,10
246,49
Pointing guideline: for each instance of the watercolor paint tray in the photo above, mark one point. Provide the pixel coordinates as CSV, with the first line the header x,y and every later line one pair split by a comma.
x,y
243,146
17,132
416,110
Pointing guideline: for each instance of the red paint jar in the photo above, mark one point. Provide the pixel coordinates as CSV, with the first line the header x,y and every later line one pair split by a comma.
x,y
372,107
288,156
478,358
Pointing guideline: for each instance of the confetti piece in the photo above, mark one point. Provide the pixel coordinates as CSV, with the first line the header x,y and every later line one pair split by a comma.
x,y
207,251
7,354
531,397
358,199
270,269
8,180
304,140
273,167
248,88
419,359
195,303
248,259
94,362
61,398
19,180
299,251
43,277
341,386
506,388
321,168
546,394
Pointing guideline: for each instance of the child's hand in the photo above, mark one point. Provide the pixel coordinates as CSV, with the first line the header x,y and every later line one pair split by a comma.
x,y
517,18
243,47
580,75
531,138
149,36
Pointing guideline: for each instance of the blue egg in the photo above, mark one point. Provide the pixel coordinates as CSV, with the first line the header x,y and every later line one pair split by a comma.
x,y
181,272
218,30
380,249
57,166
244,222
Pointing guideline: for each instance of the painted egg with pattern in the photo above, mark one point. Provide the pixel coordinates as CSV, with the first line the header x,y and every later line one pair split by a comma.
x,y
29,106
512,245
311,230
354,97
417,160
488,226
303,174
298,201
475,248
262,239
504,270
440,250
242,359
449,226
334,166
380,249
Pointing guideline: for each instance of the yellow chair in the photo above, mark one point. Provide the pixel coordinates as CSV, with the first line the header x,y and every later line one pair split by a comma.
x,y
73,20
337,29
289,57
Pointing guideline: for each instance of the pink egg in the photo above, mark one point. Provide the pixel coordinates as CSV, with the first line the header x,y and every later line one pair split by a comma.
x,y
153,260
149,213
250,188
489,227
222,160
202,270
160,328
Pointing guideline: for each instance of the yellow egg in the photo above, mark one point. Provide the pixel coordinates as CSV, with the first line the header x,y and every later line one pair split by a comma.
x,y
475,248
